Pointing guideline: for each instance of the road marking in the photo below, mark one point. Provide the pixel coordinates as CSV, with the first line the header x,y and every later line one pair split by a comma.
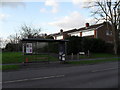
x,y
33,79
104,69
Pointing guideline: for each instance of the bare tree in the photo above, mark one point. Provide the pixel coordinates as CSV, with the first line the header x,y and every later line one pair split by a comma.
x,y
109,11
14,39
13,42
3,43
29,32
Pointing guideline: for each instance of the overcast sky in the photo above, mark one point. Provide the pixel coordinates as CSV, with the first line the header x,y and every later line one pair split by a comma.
x,y
50,15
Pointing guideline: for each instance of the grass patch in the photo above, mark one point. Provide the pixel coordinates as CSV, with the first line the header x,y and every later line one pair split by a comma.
x,y
98,55
0,57
12,57
44,57
9,67
92,61
18,57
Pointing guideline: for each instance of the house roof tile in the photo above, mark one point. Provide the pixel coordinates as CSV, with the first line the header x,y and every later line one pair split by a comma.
x,y
80,29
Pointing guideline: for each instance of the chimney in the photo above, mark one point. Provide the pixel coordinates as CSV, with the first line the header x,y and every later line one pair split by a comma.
x,y
61,31
45,34
87,24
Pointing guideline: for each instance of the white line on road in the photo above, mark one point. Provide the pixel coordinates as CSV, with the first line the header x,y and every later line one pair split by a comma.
x,y
104,69
33,79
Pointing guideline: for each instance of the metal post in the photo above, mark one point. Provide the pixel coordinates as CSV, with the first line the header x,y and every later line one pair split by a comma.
x,y
23,47
48,52
65,50
78,56
72,56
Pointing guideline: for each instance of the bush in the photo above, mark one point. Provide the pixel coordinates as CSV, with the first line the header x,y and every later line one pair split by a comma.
x,y
96,45
109,48
74,45
13,47
77,44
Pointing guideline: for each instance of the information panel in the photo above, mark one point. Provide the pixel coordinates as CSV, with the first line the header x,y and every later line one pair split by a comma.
x,y
28,47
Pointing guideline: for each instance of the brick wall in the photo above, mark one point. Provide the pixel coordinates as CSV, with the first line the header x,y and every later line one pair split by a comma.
x,y
101,33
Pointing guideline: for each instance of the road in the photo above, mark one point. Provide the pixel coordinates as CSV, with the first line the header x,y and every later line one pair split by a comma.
x,y
104,75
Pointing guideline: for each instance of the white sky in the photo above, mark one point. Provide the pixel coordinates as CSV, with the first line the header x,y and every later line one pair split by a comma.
x,y
50,15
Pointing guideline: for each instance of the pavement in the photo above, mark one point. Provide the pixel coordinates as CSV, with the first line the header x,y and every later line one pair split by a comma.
x,y
102,75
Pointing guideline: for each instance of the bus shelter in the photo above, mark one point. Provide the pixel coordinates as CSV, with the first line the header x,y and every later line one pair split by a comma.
x,y
36,49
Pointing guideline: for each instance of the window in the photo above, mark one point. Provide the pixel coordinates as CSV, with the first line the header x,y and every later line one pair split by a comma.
x,y
108,32
75,34
88,33
59,37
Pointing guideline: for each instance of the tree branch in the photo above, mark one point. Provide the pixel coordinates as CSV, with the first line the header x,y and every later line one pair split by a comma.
x,y
103,10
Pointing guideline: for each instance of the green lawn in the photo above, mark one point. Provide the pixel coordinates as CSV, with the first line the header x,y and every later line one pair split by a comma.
x,y
9,67
0,57
18,57
92,61
98,55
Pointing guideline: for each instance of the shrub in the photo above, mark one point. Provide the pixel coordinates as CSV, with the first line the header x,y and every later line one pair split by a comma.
x,y
77,44
74,45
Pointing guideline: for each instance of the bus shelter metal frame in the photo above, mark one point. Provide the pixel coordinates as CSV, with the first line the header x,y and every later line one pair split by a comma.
x,y
62,46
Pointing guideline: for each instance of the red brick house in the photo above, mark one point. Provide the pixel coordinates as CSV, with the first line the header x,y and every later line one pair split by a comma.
x,y
102,31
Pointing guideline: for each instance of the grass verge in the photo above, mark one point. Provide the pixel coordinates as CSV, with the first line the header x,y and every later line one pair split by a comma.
x,y
9,67
18,57
98,55
91,61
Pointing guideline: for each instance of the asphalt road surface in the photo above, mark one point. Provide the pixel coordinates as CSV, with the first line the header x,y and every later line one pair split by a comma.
x,y
104,75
